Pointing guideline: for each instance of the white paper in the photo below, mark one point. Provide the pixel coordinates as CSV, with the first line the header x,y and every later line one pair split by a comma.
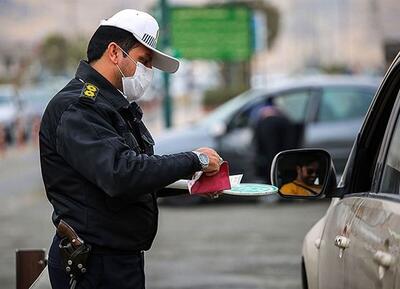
x,y
235,180
180,185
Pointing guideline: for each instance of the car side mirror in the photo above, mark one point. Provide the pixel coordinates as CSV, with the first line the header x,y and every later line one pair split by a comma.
x,y
218,129
304,173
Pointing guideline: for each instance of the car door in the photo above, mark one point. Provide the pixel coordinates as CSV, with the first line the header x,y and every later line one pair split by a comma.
x,y
360,240
335,242
375,236
236,145
340,113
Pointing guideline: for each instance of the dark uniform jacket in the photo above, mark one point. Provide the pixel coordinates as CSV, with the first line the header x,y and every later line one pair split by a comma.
x,y
98,166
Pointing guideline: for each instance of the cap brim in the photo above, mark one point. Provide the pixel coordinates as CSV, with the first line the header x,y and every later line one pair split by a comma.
x,y
161,60
165,62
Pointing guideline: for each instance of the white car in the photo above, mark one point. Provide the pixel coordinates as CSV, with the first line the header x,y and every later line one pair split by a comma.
x,y
357,243
8,110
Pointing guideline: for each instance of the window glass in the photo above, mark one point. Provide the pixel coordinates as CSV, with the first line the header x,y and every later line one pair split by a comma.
x,y
247,116
339,104
224,112
294,104
391,173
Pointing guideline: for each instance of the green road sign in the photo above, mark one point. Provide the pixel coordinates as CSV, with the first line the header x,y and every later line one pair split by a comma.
x,y
215,33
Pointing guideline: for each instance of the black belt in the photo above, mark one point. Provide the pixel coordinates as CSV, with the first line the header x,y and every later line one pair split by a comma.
x,y
101,250
109,251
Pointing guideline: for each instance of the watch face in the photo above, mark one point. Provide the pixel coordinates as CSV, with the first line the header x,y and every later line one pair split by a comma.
x,y
204,159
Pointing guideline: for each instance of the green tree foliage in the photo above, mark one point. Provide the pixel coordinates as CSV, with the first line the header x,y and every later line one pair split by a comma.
x,y
336,68
215,97
58,54
53,53
272,22
76,51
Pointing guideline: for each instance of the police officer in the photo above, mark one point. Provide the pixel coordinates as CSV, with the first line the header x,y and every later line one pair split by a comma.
x,y
97,161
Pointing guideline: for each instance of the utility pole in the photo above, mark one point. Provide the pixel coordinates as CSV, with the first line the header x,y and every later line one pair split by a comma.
x,y
165,45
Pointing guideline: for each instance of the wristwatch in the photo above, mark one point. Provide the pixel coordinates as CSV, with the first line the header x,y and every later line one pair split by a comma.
x,y
203,159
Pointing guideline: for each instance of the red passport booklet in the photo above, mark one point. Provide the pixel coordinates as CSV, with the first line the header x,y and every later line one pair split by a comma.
x,y
209,184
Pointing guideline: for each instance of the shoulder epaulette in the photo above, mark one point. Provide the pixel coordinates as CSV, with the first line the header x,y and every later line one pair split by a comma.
x,y
89,91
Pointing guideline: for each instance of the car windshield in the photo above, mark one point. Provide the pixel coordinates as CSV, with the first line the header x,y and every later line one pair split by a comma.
x,y
223,112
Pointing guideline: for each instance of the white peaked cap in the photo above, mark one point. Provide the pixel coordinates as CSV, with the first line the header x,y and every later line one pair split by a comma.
x,y
145,29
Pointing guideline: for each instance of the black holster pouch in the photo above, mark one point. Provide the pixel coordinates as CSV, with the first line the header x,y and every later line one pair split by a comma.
x,y
75,259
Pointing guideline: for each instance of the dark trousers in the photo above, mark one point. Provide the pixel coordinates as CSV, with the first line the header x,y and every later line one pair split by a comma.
x,y
104,270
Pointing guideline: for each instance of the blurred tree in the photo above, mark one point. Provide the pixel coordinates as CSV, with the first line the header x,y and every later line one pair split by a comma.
x,y
76,51
271,14
336,68
59,55
215,97
53,53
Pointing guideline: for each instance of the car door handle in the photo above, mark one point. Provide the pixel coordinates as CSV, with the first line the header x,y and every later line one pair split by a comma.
x,y
384,260
342,243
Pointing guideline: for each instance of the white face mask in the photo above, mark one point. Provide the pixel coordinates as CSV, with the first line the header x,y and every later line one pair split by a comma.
x,y
134,86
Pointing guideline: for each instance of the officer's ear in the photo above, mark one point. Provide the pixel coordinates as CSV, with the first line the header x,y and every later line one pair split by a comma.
x,y
113,52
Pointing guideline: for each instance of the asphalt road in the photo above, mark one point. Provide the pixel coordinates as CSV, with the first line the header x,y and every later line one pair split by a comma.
x,y
243,246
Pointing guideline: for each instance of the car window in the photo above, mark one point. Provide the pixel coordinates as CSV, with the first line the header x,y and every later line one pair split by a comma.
x,y
225,111
339,104
391,174
294,104
247,116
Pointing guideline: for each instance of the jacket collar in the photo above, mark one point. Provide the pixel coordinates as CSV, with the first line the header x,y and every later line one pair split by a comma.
x,y
87,73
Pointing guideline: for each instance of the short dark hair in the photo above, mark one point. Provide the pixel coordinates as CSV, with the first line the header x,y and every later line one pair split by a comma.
x,y
305,160
103,36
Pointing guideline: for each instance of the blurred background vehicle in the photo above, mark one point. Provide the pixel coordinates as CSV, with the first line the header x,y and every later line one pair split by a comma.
x,y
34,99
9,111
329,111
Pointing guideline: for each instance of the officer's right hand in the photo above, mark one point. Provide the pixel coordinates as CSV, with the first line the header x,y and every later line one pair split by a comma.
x,y
215,161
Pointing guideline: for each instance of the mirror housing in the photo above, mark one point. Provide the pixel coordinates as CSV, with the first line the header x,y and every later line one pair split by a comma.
x,y
304,174
218,129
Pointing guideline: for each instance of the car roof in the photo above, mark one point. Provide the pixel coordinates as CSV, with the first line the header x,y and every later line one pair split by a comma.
x,y
318,81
